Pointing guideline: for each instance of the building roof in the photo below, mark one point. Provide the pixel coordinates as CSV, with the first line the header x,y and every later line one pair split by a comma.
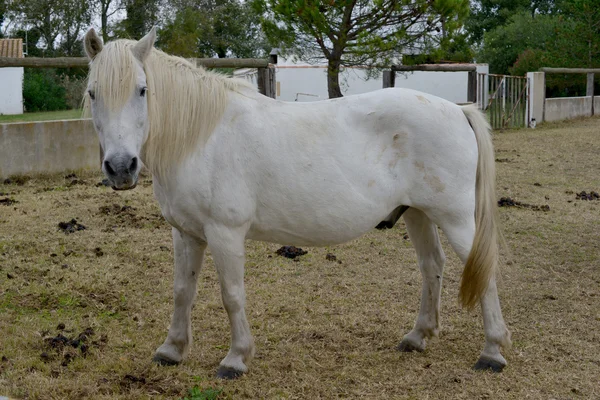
x,y
11,48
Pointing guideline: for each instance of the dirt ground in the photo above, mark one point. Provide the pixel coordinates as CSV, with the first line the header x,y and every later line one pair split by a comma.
x,y
83,306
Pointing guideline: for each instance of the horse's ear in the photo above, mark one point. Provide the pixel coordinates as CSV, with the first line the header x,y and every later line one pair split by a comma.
x,y
144,46
92,44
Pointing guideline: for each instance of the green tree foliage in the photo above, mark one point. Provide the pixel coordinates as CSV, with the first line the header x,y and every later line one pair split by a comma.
x,y
567,37
486,15
579,34
142,15
356,32
503,45
42,92
208,28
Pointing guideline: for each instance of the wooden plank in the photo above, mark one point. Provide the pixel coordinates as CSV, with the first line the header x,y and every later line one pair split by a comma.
x,y
389,79
570,70
262,79
36,62
472,86
435,67
232,62
272,92
68,62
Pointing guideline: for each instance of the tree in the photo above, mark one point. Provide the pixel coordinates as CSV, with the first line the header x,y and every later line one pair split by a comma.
x,y
486,15
142,15
2,12
568,37
76,16
53,19
579,36
208,28
356,32
107,8
503,45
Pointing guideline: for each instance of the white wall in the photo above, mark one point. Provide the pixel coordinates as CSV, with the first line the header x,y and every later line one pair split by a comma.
x,y
303,82
11,91
451,86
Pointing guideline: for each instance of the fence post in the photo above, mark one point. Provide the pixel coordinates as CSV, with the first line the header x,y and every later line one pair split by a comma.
x,y
266,81
472,87
260,80
590,88
389,78
271,92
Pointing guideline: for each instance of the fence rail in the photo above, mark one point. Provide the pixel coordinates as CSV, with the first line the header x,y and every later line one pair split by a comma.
x,y
82,62
389,76
266,70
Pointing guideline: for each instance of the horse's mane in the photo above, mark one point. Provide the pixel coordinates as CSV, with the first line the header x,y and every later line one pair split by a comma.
x,y
185,102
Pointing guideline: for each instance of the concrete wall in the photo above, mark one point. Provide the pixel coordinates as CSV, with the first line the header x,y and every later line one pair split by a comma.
x,y
597,105
48,147
557,109
11,91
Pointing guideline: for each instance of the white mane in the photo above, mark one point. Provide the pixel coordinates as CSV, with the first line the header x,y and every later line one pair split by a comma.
x,y
185,103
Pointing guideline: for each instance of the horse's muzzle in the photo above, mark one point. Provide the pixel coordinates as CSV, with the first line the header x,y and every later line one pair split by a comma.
x,y
121,171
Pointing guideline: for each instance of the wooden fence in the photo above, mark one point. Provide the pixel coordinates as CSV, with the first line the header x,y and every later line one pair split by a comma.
x,y
589,84
389,76
266,69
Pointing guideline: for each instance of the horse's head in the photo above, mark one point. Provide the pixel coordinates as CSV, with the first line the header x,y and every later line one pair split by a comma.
x,y
117,96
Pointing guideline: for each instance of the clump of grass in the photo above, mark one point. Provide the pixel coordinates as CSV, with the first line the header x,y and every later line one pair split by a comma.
x,y
203,394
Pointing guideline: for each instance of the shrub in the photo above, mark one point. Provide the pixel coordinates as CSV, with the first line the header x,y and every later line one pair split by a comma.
x,y
42,91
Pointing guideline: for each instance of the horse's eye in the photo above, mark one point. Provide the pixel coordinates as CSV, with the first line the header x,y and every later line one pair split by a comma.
x,y
92,94
143,91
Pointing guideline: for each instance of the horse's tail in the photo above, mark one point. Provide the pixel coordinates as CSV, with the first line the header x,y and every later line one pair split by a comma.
x,y
483,259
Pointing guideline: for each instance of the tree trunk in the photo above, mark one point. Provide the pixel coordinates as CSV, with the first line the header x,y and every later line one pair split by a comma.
x,y
333,78
104,21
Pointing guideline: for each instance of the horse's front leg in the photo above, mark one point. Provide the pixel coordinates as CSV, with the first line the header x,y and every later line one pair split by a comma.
x,y
227,248
189,254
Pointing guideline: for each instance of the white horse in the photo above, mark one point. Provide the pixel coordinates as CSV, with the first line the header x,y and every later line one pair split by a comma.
x,y
230,164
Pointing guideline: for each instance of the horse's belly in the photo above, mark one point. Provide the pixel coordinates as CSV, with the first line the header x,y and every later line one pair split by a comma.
x,y
299,236
317,221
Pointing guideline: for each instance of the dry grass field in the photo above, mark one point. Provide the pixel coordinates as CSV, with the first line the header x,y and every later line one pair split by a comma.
x,y
323,329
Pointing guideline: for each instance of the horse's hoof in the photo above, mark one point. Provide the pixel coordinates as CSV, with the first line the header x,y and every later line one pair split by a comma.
x,y
228,373
487,364
408,347
164,361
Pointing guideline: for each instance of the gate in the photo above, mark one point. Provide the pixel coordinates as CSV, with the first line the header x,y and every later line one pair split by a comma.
x,y
504,98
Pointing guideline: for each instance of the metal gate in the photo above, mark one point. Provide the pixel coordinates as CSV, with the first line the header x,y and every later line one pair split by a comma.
x,y
504,99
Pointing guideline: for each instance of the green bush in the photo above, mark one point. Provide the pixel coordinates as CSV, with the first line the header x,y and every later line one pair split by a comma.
x,y
42,91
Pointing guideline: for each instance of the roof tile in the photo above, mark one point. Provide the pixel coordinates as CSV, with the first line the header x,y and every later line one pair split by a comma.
x,y
11,48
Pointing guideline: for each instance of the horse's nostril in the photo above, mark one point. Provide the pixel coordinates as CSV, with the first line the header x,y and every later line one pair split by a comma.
x,y
109,169
133,165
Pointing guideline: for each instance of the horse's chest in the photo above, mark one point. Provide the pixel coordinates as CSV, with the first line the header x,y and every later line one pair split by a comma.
x,y
182,212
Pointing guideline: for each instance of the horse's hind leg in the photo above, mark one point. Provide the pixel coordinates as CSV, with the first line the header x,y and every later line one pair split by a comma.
x,y
189,254
460,236
423,233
